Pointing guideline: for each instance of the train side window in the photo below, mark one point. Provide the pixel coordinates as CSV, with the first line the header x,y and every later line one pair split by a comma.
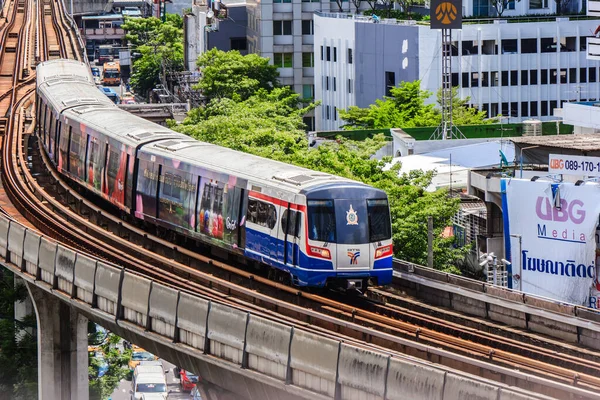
x,y
379,220
167,184
261,213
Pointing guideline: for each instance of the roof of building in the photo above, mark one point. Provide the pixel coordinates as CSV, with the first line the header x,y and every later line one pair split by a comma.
x,y
103,17
582,142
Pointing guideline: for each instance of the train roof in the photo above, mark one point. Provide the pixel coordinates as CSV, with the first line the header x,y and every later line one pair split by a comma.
x,y
63,69
243,165
122,125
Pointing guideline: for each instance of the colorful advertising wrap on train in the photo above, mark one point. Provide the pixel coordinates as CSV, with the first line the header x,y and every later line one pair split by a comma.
x,y
550,238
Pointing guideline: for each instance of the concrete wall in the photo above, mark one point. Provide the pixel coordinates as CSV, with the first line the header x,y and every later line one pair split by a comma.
x,y
81,7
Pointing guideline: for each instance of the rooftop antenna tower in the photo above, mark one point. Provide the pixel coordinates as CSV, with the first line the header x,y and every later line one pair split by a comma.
x,y
446,15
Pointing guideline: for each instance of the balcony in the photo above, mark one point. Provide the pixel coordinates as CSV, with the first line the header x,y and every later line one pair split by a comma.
x,y
103,33
593,8
593,48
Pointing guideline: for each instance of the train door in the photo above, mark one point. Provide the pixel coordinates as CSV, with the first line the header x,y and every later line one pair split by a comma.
x,y
289,227
280,245
56,135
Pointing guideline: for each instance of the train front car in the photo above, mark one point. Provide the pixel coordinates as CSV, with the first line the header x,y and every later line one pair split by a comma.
x,y
349,236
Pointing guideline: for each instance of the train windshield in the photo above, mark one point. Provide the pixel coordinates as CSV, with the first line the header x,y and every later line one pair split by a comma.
x,y
379,220
348,221
321,220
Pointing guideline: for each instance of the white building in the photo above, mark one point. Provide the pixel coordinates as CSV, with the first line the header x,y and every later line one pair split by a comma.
x,y
283,31
519,70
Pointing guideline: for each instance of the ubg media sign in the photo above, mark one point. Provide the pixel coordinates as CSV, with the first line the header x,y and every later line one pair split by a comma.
x,y
550,237
445,14
574,165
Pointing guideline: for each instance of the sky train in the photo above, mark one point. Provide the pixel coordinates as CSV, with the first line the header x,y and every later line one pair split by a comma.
x,y
318,228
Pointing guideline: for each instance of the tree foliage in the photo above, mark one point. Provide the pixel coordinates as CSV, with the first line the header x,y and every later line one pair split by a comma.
x,y
269,124
158,46
18,343
232,75
407,108
102,387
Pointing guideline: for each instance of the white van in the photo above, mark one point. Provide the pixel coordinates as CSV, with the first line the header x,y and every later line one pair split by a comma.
x,y
153,382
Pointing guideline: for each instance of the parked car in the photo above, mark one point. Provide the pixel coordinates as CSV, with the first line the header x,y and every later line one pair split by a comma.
x,y
188,380
111,94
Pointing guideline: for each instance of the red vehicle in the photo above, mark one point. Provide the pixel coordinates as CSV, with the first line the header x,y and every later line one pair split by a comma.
x,y
188,380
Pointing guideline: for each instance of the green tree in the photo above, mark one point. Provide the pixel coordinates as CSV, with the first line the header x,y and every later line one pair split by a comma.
x,y
407,108
18,343
159,46
232,75
102,387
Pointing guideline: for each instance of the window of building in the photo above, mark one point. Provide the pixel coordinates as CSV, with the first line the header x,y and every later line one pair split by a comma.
x,y
308,91
525,77
485,79
282,28
505,110
349,56
511,5
454,49
553,76
454,79
311,1
486,109
321,53
533,77
309,122
524,109
563,75
335,54
328,53
544,76
326,83
281,1
349,85
582,75
528,46
465,79
474,79
505,79
544,108
334,113
308,60
334,84
308,27
548,45
489,47
553,105
514,78
390,82
582,43
326,112
470,47
494,78
533,111
238,43
592,75
538,4
283,60
572,75
509,46
568,43
494,110
514,109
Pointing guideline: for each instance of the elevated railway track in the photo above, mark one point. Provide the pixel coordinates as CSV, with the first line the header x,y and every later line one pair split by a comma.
x,y
384,320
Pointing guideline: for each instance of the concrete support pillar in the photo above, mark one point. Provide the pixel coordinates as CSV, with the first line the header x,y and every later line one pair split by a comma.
x,y
23,309
62,348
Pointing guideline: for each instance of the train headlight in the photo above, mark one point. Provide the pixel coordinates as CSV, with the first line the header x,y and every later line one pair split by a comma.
x,y
384,251
320,252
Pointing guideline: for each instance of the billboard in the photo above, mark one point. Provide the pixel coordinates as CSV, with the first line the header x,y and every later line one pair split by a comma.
x,y
445,14
550,238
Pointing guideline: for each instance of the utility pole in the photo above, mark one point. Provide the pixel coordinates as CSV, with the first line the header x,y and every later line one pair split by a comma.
x,y
430,241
